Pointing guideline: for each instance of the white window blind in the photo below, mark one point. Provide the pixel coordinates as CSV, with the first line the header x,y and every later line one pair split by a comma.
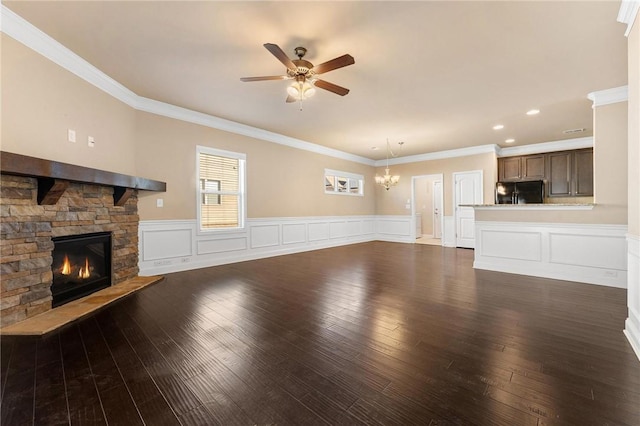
x,y
220,189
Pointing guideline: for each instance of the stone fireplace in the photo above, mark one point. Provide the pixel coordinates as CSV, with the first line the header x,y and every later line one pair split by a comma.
x,y
30,225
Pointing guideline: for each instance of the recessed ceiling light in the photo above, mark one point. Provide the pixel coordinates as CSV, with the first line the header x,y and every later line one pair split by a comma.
x,y
511,140
533,112
498,127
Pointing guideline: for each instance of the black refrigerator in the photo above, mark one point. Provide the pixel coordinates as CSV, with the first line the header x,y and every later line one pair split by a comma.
x,y
531,192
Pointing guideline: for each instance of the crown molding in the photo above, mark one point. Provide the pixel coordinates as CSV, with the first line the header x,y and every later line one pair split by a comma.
x,y
628,13
451,153
553,146
609,96
24,32
189,116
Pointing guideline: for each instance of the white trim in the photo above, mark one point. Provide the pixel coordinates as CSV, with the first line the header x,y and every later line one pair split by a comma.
x,y
544,147
24,32
21,30
632,324
452,153
628,13
609,96
534,207
588,253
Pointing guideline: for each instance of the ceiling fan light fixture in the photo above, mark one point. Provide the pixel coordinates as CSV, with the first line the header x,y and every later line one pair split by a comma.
x,y
301,90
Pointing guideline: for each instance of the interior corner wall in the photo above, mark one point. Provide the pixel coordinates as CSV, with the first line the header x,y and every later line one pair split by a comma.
x,y
41,101
394,201
634,129
281,181
632,324
610,146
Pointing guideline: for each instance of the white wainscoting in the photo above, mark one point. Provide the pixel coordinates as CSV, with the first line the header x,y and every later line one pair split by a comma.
x,y
400,229
594,254
174,245
632,325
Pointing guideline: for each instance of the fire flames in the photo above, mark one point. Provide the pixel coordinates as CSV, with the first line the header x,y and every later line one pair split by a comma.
x,y
84,272
67,268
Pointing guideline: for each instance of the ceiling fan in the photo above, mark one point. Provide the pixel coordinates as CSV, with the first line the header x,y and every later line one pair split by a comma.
x,y
304,73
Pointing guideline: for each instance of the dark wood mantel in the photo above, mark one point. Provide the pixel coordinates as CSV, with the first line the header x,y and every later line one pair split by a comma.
x,y
54,177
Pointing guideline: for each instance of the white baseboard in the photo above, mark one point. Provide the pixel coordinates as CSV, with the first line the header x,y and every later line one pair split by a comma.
x,y
594,254
632,324
167,246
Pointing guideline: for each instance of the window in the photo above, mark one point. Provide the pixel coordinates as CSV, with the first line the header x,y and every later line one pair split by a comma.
x,y
336,182
221,195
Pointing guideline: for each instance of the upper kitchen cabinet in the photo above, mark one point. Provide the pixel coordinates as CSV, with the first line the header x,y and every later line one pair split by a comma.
x,y
570,173
565,173
528,167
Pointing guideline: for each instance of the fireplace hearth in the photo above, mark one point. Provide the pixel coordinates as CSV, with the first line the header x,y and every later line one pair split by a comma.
x,y
81,266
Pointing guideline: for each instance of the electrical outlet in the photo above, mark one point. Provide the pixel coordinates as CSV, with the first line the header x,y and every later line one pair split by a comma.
x,y
185,260
611,274
91,142
162,262
71,135
159,202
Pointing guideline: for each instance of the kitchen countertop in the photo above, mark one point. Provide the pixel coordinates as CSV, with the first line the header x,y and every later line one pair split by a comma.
x,y
542,206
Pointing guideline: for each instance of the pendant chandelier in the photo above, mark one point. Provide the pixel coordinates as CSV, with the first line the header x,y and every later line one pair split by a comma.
x,y
388,180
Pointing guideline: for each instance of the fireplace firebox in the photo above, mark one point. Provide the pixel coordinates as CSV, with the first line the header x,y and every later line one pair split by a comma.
x,y
81,266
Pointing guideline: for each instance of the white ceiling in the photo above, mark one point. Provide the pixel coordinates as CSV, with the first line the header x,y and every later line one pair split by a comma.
x,y
436,75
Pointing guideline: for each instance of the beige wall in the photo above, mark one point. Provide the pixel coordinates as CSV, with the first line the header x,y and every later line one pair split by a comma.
x,y
40,101
634,129
281,181
393,201
610,160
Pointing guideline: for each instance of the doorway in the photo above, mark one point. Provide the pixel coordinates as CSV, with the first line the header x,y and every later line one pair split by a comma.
x,y
467,191
427,203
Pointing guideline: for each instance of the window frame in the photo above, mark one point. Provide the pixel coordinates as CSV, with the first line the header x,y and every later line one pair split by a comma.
x,y
241,193
337,176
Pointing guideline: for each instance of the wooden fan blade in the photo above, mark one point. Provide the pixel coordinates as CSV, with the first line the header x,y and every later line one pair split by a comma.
x,y
338,90
333,64
279,53
291,99
269,77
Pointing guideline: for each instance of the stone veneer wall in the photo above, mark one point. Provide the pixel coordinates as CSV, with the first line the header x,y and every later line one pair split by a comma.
x,y
26,245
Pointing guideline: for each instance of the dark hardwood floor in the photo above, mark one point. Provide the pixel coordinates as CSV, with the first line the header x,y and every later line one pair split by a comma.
x,y
375,333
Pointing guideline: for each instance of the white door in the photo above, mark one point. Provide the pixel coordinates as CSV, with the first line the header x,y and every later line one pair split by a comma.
x,y
468,190
437,209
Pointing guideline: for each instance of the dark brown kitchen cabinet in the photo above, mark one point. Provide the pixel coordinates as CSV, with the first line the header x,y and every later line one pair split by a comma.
x,y
570,173
509,169
583,172
533,167
559,174
528,167
565,173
